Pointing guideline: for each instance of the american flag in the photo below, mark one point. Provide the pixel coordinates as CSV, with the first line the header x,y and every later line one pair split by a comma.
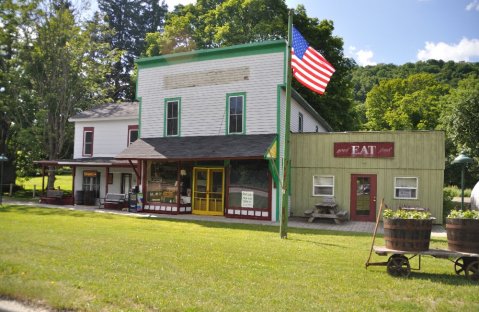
x,y
310,68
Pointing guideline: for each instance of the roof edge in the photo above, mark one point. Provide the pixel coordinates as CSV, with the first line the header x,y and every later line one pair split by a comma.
x,y
215,53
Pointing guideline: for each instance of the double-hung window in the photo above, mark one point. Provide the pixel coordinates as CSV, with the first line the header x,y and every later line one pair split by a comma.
x,y
235,105
88,141
323,185
405,187
132,134
172,117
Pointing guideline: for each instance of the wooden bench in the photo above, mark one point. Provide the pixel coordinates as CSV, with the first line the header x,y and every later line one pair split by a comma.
x,y
56,197
113,201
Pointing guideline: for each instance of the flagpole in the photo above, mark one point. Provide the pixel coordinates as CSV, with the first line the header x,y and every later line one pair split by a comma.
x,y
286,165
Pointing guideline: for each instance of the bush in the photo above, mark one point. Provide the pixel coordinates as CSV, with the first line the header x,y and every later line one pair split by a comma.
x,y
464,214
406,214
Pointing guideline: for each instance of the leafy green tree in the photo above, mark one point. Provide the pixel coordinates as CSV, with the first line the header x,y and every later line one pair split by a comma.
x,y
131,20
461,115
413,103
67,69
17,108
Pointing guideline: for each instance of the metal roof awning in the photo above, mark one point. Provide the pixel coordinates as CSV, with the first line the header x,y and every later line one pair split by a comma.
x,y
200,147
94,161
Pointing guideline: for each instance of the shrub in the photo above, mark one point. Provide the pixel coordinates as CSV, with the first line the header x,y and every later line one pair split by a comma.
x,y
406,214
464,214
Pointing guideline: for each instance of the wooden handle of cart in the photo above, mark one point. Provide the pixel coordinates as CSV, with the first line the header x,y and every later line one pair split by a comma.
x,y
375,231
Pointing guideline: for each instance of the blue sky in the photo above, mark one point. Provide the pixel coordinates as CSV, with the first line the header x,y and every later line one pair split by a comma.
x,y
398,31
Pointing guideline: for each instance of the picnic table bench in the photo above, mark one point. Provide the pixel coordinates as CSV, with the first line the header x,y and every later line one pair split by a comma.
x,y
328,209
113,201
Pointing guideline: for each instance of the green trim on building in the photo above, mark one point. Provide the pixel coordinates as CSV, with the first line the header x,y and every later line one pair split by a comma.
x,y
165,107
227,128
213,54
139,99
278,146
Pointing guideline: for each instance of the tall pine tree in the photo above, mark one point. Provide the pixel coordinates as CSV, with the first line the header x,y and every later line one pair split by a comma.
x,y
131,20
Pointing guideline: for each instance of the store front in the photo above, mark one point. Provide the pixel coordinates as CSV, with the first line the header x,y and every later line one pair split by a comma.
x,y
357,170
229,177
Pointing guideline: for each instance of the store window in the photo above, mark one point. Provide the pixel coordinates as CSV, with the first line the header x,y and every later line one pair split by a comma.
x,y
236,113
162,182
405,187
249,184
323,185
88,141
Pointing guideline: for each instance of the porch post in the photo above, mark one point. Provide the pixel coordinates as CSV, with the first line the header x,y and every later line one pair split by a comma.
x,y
73,183
43,179
107,170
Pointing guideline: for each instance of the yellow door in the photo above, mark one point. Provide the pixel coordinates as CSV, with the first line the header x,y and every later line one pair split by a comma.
x,y
208,191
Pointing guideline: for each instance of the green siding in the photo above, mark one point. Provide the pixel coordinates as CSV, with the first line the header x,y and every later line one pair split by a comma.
x,y
417,154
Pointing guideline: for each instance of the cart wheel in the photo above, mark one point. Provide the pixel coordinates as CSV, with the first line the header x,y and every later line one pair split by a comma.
x,y
398,265
472,271
460,265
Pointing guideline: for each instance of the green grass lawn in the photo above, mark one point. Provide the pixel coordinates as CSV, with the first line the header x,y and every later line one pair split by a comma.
x,y
76,260
62,181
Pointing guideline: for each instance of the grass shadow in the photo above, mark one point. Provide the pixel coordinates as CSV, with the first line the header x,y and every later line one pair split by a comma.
x,y
446,279
52,211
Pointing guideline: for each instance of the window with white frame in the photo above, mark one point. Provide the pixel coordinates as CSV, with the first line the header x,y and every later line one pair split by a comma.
x,y
405,187
172,117
323,185
132,134
236,112
88,141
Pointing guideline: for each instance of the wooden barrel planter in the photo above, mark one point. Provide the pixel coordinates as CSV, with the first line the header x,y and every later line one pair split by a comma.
x,y
462,235
407,234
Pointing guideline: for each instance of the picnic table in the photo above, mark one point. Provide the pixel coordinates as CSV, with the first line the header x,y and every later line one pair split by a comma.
x,y
328,209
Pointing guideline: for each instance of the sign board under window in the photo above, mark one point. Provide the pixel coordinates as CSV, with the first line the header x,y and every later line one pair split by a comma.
x,y
89,173
247,199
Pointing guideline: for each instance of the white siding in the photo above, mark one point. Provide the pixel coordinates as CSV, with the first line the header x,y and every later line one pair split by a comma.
x,y
203,108
110,137
112,188
309,122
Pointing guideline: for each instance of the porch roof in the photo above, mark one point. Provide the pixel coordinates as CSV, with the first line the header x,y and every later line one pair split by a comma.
x,y
93,161
200,147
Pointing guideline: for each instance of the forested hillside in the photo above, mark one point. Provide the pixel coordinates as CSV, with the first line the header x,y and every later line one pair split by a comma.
x,y
431,95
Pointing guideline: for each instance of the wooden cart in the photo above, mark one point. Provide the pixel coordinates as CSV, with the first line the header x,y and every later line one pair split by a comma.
x,y
398,263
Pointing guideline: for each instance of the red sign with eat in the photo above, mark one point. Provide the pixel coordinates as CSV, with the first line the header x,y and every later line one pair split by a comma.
x,y
364,149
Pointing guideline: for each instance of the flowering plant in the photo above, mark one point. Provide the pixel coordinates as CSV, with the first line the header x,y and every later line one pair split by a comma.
x,y
464,214
406,214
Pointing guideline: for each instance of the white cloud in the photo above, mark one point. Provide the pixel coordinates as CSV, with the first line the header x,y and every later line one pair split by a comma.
x,y
474,5
463,51
362,57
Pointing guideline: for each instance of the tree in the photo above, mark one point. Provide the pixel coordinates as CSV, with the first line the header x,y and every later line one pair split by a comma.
x,y
413,103
461,115
17,109
67,69
131,21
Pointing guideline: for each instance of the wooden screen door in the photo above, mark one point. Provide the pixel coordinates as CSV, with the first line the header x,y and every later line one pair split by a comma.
x,y
208,191
363,197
